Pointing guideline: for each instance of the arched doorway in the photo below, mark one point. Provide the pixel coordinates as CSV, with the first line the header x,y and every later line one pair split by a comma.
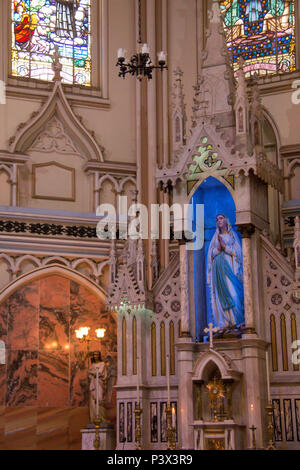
x,y
44,384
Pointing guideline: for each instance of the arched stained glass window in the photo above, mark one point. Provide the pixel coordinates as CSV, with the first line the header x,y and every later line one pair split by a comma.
x,y
262,32
40,26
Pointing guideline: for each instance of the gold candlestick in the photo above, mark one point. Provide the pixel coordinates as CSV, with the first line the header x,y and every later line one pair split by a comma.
x,y
97,422
138,430
270,428
253,429
171,431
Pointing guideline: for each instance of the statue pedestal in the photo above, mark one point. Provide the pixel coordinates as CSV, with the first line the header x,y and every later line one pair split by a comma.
x,y
107,437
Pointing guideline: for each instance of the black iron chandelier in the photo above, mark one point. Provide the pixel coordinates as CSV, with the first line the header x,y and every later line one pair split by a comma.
x,y
140,63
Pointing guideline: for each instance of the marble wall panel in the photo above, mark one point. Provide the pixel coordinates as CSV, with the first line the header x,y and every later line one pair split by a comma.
x,y
52,428
20,428
23,308
44,386
78,419
21,385
2,384
78,379
2,426
85,311
54,313
53,379
3,321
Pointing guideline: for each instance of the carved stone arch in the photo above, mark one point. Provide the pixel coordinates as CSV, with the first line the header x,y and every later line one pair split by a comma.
x,y
8,171
57,106
217,177
269,118
221,361
291,166
110,178
126,180
100,267
32,258
53,269
90,263
10,261
57,259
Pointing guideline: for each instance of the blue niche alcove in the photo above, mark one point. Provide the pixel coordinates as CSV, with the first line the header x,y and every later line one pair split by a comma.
x,y
217,199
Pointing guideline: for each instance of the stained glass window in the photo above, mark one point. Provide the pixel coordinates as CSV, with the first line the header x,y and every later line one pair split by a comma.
x,y
41,26
262,32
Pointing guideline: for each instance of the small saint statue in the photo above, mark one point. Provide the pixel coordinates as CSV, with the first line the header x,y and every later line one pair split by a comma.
x,y
101,380
56,65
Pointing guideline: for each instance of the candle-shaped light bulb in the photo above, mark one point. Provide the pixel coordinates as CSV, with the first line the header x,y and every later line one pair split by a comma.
x,y
162,56
121,53
79,334
85,330
100,332
145,49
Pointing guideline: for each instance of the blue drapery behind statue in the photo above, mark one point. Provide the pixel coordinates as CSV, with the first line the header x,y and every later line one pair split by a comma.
x,y
227,278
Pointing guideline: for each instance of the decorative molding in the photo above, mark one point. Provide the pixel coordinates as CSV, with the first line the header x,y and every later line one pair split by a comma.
x,y
57,106
221,360
54,138
77,231
114,168
15,264
179,117
51,270
288,151
34,193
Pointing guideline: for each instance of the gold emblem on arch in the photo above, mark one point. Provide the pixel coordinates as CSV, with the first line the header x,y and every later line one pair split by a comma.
x,y
206,159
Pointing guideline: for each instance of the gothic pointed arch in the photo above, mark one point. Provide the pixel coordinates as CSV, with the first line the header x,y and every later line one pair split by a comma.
x,y
220,360
54,269
57,107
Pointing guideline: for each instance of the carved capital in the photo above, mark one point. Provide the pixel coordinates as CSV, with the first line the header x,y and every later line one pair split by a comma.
x,y
246,230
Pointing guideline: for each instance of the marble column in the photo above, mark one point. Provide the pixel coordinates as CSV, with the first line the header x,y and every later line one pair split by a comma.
x,y
247,230
184,292
185,392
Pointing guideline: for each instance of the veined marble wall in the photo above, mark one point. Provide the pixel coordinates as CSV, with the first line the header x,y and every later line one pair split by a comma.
x,y
43,385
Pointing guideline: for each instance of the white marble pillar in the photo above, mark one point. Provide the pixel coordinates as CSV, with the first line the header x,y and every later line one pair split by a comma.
x,y
185,392
247,231
184,292
255,390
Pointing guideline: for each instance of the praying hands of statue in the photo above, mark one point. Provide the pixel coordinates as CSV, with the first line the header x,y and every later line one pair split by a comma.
x,y
221,246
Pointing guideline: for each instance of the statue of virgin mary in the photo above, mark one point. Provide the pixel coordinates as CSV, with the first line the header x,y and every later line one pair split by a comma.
x,y
225,275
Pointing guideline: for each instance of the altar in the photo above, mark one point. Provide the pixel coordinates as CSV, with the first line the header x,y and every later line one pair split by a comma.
x,y
216,384
106,436
224,435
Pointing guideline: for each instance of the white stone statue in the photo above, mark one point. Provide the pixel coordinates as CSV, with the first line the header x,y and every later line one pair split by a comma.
x,y
101,380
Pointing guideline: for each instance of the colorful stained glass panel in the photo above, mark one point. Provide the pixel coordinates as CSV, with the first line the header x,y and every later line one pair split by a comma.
x,y
262,32
40,26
